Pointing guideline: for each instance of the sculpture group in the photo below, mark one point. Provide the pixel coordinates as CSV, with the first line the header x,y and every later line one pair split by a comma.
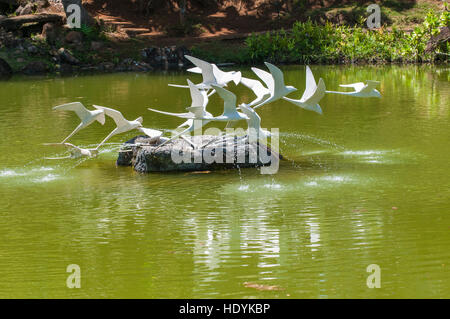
x,y
269,88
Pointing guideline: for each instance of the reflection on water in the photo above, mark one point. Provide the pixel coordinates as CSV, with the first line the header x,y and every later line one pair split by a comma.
x,y
365,183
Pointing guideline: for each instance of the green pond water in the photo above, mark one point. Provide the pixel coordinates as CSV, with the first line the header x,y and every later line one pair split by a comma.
x,y
367,182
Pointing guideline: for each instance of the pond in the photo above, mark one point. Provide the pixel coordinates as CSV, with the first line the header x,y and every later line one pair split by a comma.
x,y
367,182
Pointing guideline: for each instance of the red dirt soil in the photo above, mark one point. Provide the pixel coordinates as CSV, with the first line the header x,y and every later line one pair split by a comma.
x,y
231,17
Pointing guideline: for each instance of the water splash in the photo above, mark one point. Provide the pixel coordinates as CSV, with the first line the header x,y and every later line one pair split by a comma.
x,y
312,139
46,178
10,173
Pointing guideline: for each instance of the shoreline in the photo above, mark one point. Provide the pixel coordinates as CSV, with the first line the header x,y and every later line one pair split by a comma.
x,y
59,50
182,70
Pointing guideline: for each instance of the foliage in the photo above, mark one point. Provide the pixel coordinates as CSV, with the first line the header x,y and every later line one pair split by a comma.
x,y
312,43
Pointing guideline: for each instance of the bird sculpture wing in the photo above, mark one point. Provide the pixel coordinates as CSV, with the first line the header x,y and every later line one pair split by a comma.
x,y
318,94
114,114
357,86
207,69
237,76
197,111
199,97
254,118
228,97
256,86
310,84
76,107
225,77
195,70
277,75
266,77
150,132
182,115
178,86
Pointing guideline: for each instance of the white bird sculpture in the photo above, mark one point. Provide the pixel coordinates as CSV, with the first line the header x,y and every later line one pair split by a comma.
x,y
256,86
230,113
211,75
196,110
254,123
87,117
312,95
274,82
124,125
222,77
360,89
75,151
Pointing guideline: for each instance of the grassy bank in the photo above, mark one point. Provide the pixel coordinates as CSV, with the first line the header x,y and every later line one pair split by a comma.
x,y
310,42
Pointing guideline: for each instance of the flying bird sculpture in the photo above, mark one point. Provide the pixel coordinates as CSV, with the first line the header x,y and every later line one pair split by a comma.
x,y
361,89
268,88
87,117
123,125
262,93
312,95
274,82
75,151
254,131
211,75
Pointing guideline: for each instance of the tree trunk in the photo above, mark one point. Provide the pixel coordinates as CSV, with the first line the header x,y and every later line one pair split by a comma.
x,y
85,17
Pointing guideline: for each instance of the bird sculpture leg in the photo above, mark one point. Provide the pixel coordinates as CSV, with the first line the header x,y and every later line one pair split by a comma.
x,y
211,93
106,138
79,127
172,138
189,129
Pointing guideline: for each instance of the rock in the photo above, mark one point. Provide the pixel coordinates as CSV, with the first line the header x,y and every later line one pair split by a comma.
x,y
65,68
165,57
212,155
65,56
20,60
106,66
18,10
74,37
2,17
129,64
28,9
49,33
35,67
5,69
42,4
32,49
96,45
140,67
